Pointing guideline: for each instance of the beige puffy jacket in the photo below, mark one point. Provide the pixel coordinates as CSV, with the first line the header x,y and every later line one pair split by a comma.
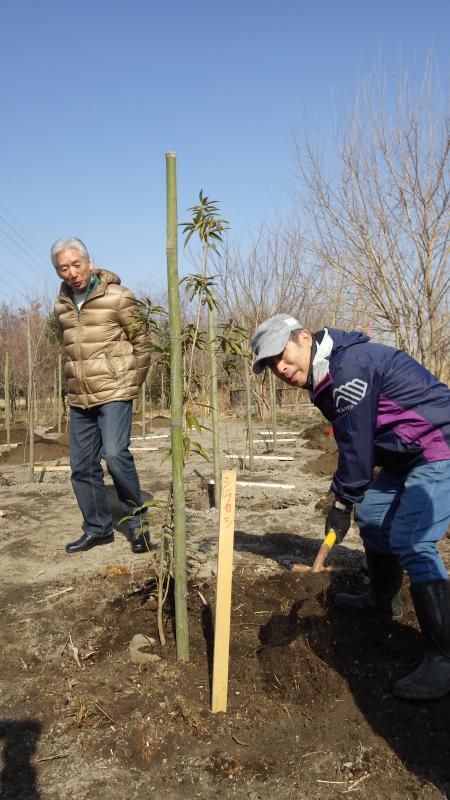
x,y
102,364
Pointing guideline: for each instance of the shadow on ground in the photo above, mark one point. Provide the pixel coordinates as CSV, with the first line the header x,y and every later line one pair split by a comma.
x,y
370,654
18,776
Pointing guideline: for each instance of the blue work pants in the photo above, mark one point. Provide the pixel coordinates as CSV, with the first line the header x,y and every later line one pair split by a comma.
x,y
407,515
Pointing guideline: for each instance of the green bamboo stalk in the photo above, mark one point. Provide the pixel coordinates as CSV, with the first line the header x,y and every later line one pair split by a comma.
x,y
59,389
150,404
214,404
273,406
143,401
30,405
251,460
7,404
176,393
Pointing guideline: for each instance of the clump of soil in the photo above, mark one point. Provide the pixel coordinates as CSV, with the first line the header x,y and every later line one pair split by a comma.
x,y
324,465
320,437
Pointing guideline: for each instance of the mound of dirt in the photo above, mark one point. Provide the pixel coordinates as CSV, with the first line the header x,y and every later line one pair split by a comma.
x,y
320,437
323,465
44,450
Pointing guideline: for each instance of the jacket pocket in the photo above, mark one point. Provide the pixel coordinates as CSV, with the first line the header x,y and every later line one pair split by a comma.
x,y
111,368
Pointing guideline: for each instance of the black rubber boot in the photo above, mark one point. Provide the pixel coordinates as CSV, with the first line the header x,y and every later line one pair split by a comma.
x,y
431,679
383,596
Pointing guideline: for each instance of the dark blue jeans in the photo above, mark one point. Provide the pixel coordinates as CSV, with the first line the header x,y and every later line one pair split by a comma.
x,y
95,433
407,515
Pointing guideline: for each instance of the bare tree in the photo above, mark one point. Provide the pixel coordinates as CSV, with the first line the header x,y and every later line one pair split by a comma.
x,y
381,223
272,277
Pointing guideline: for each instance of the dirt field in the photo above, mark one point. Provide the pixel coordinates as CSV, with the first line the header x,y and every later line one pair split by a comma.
x,y
311,713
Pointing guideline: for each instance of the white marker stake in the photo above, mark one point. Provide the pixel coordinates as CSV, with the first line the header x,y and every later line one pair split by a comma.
x,y
223,592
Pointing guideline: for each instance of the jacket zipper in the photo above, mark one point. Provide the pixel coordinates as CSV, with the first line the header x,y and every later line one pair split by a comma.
x,y
78,343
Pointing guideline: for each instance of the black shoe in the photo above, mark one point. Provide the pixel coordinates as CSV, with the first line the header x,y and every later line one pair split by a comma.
x,y
431,679
85,542
383,597
140,543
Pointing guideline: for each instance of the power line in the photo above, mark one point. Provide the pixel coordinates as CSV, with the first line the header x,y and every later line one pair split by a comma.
x,y
10,284
21,259
29,252
22,249
24,231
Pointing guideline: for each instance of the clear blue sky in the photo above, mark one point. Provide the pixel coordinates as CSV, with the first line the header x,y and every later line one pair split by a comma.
x,y
94,92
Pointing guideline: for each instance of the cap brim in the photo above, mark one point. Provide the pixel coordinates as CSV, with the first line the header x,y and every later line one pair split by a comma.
x,y
275,349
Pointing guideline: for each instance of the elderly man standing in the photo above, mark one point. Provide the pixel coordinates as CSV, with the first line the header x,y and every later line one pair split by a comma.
x,y
386,410
107,362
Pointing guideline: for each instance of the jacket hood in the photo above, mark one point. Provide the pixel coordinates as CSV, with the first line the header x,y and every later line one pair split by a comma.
x,y
344,339
106,276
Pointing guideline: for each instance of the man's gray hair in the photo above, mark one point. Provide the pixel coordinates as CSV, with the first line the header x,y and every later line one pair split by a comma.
x,y
64,244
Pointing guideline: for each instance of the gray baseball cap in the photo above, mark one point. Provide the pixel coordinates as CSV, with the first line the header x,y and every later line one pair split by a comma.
x,y
271,337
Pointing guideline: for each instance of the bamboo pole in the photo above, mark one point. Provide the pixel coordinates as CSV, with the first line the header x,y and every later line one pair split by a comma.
x,y
150,402
143,409
7,404
162,389
248,395
59,384
222,624
273,406
30,405
176,394
214,404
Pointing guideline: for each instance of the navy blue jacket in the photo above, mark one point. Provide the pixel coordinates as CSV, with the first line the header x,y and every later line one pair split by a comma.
x,y
385,407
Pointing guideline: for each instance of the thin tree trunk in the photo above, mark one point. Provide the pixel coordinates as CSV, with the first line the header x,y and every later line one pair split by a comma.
x,y
214,404
176,393
251,462
55,397
7,404
273,406
30,405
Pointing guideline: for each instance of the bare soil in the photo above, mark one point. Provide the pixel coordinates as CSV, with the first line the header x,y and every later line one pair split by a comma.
x,y
310,713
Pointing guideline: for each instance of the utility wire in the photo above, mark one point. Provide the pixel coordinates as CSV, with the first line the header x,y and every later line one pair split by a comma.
x,y
8,272
22,249
34,252
14,288
25,232
21,259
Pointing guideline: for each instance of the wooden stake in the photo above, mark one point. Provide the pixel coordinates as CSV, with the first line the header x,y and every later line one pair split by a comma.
x,y
260,458
275,442
223,592
57,468
141,449
279,433
263,485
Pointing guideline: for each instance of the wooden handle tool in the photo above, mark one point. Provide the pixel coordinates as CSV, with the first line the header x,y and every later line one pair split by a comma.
x,y
325,548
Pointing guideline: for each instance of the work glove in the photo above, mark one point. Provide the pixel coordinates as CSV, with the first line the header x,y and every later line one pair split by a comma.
x,y
339,520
